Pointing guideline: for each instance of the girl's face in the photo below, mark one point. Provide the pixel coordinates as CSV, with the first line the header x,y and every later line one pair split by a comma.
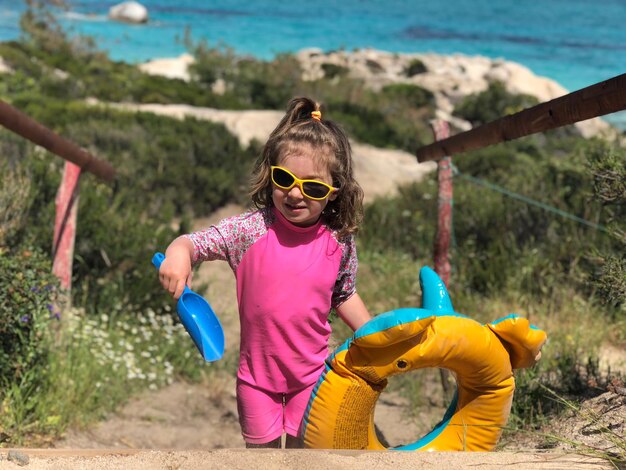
x,y
292,204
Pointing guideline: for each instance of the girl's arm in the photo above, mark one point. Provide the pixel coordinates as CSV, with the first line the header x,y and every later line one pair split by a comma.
x,y
175,271
354,312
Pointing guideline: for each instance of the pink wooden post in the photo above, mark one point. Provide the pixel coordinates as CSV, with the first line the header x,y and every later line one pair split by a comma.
x,y
65,225
441,131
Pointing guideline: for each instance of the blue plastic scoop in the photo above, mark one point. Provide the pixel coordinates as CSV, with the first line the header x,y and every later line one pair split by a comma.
x,y
199,320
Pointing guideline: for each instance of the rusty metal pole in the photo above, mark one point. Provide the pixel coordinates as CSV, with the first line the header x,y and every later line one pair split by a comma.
x,y
441,130
77,160
596,100
23,125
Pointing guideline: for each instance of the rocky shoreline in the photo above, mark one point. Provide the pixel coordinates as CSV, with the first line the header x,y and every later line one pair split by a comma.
x,y
449,77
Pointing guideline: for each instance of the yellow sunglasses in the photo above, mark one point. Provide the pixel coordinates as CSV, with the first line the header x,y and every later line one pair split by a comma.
x,y
312,189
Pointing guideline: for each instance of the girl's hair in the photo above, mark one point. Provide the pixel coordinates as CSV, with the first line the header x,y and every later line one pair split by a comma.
x,y
327,142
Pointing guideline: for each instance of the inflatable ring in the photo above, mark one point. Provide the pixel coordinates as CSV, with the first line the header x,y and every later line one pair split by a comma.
x,y
340,413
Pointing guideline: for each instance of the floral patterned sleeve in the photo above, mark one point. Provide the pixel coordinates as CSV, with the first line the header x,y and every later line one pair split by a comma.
x,y
209,244
345,286
229,239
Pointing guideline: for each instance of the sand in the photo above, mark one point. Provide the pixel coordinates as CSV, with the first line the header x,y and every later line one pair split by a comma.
x,y
233,459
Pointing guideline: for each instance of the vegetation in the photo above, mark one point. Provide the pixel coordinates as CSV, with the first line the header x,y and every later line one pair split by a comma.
x,y
334,70
29,291
415,67
492,104
510,254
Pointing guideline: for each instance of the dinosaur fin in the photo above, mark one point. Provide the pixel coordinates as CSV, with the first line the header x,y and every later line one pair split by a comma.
x,y
522,340
434,293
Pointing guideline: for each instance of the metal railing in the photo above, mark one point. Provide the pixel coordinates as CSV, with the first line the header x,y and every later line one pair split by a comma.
x,y
25,126
596,100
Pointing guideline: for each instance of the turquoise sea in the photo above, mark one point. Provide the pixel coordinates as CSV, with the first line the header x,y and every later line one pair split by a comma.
x,y
575,42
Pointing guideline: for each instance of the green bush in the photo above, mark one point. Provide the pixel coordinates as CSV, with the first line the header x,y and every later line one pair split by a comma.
x,y
607,165
408,109
211,63
155,153
374,67
403,223
27,306
415,67
65,75
334,70
492,104
266,85
395,117
362,123
499,241
407,95
611,281
17,56
250,83
15,201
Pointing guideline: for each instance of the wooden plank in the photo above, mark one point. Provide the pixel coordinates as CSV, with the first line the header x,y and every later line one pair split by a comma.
x,y
596,100
23,125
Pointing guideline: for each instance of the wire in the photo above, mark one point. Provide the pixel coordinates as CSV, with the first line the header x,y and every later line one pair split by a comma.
x,y
511,194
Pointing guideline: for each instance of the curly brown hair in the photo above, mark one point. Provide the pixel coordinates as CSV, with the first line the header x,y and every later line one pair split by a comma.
x,y
299,129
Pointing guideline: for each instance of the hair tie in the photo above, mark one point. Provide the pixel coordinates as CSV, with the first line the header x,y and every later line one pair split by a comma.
x,y
317,115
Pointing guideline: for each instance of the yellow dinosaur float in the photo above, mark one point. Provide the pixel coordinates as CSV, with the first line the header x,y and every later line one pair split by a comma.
x,y
340,413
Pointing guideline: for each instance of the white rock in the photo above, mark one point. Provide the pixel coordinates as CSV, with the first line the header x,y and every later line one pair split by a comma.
x,y
520,80
397,166
4,67
129,12
171,67
449,77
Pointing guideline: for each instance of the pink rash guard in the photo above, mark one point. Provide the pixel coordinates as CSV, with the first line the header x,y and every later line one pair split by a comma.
x,y
288,278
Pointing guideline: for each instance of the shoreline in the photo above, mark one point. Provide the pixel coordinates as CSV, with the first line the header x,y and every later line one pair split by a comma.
x,y
576,53
449,77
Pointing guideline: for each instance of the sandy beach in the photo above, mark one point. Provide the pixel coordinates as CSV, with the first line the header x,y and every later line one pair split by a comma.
x,y
240,459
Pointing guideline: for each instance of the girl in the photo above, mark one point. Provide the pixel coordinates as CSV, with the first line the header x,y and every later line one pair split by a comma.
x,y
294,259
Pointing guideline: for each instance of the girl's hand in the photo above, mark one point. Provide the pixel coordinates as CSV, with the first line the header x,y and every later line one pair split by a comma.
x,y
175,272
